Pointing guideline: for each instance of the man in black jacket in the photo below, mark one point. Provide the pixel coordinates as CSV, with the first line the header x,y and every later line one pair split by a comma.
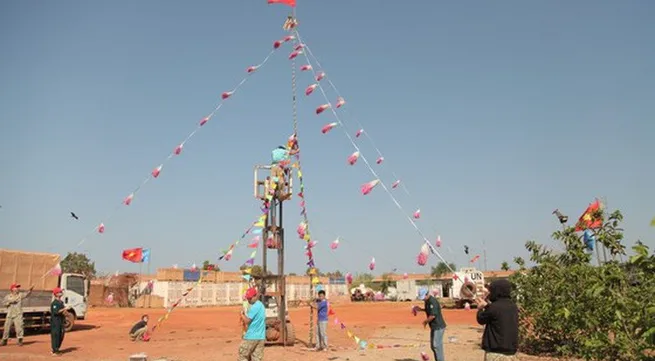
x,y
501,319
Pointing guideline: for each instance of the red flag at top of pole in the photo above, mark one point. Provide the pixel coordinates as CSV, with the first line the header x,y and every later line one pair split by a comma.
x,y
133,255
291,3
587,220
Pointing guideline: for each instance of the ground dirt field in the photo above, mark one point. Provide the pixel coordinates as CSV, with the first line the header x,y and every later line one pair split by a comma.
x,y
205,334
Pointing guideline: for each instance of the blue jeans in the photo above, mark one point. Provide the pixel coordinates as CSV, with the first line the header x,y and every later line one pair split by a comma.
x,y
436,343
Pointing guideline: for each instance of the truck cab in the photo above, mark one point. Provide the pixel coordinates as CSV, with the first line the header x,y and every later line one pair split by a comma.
x,y
76,293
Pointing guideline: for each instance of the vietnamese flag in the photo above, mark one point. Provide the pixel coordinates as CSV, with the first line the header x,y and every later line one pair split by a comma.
x,y
133,255
291,3
587,221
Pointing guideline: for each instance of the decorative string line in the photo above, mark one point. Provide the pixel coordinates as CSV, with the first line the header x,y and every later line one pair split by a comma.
x,y
178,149
366,162
359,124
182,298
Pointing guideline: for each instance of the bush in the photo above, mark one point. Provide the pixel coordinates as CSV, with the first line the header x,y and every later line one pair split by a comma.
x,y
570,307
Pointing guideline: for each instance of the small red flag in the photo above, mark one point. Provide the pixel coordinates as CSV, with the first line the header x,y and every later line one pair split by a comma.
x,y
291,3
133,255
587,220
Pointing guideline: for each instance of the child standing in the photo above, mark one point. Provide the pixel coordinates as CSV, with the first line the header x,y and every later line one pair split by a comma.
x,y
322,311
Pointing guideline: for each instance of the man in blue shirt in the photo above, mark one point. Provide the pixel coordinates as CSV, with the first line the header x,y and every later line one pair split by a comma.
x,y
322,311
252,346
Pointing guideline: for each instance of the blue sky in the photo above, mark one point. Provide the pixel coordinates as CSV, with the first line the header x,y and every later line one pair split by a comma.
x,y
492,113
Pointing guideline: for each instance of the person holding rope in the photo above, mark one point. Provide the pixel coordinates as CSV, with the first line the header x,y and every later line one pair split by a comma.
x,y
14,303
435,320
252,346
500,317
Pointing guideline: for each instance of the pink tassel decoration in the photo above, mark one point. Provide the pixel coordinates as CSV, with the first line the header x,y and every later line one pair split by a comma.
x,y
417,214
299,46
340,102
349,278
289,38
405,276
311,244
438,243
368,187
320,76
101,228
310,89
395,184
371,265
380,160
252,69
334,244
352,159
204,121
424,356
294,54
359,133
327,127
56,270
270,242
277,44
128,199
155,173
226,95
422,259
178,149
322,108
228,255
306,67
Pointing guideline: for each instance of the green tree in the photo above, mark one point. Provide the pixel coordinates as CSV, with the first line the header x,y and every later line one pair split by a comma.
x,y
571,307
504,266
442,269
335,274
363,278
386,282
206,265
78,263
256,272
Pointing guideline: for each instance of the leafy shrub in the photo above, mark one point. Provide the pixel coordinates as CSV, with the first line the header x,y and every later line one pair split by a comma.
x,y
573,308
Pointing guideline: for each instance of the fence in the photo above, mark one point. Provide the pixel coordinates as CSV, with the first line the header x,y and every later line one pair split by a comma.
x,y
224,294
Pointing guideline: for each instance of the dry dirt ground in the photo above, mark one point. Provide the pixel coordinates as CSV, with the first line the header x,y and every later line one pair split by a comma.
x,y
205,334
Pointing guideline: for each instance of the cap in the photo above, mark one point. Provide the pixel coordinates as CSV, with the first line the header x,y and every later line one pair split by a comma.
x,y
14,286
56,291
250,293
422,293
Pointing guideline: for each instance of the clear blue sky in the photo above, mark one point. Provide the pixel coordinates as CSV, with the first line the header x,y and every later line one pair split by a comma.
x,y
492,113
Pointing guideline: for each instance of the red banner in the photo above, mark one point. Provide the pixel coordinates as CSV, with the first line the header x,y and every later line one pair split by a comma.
x,y
133,255
291,3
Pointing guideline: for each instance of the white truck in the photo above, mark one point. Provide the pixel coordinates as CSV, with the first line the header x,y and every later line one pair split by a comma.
x,y
468,285
32,269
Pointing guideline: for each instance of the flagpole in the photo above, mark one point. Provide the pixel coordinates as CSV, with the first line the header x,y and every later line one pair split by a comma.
x,y
149,291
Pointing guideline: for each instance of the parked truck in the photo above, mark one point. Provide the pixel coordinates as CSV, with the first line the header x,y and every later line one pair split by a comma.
x,y
34,269
468,285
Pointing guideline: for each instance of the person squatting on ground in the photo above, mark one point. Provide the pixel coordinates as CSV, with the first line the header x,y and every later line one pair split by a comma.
x,y
139,329
14,303
252,346
501,320
57,310
435,320
322,321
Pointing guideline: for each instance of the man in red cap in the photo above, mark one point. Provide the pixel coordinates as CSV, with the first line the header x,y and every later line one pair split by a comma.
x,y
57,320
252,346
14,301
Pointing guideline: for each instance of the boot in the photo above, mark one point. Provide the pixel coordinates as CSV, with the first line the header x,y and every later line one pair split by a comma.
x,y
3,343
20,342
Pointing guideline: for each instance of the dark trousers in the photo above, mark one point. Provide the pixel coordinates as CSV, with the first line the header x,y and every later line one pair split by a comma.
x,y
56,336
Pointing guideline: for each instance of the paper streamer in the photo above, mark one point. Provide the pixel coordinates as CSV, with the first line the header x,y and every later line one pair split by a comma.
x,y
367,188
178,149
